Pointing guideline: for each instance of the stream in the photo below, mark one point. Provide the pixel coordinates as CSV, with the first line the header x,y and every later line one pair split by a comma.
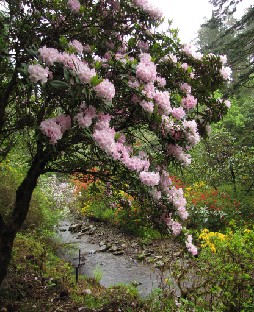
x,y
113,268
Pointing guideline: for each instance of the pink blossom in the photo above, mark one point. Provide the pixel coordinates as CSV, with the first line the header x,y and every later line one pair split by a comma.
x,y
155,194
176,228
162,99
76,45
74,5
82,70
149,8
105,90
149,178
143,46
178,152
165,181
225,72
52,130
189,102
187,49
38,73
173,58
146,70
178,112
191,248
161,81
149,90
64,122
185,66
147,106
185,87
191,131
223,59
133,83
85,116
227,103
135,163
105,138
49,55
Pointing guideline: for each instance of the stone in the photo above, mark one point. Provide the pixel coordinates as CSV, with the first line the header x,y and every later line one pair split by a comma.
x,y
103,248
74,228
159,264
118,252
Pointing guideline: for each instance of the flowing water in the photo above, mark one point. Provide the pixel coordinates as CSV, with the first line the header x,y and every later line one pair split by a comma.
x,y
112,269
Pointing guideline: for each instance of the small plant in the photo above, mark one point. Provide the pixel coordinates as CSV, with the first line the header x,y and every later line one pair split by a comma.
x,y
97,273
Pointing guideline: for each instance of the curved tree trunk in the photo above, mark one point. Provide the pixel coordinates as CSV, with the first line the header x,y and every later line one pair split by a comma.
x,y
9,230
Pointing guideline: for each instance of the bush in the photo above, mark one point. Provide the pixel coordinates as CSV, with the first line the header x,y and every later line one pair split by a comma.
x,y
222,277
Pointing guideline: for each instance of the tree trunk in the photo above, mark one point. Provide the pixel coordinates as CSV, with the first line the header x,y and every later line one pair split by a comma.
x,y
24,192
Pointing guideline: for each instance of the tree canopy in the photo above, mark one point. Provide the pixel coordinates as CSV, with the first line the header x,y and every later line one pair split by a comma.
x,y
92,86
225,34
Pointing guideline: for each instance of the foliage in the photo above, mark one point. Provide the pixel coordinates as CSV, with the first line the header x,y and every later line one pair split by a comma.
x,y
221,277
226,35
120,97
107,203
211,208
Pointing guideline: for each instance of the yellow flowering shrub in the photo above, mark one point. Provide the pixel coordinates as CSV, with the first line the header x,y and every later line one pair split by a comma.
x,y
209,239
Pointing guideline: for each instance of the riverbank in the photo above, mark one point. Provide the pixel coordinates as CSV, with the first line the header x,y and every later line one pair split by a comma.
x,y
40,281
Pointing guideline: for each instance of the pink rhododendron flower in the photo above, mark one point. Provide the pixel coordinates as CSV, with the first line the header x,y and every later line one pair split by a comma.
x,y
223,59
149,178
52,130
64,122
147,106
146,70
176,228
165,181
185,87
184,66
162,99
178,112
74,5
49,55
173,58
225,72
149,8
161,81
143,46
227,103
38,73
191,131
105,90
155,194
191,248
189,102
77,45
178,152
85,116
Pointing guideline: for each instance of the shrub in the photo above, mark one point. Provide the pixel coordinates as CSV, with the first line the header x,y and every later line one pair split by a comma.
x,y
222,277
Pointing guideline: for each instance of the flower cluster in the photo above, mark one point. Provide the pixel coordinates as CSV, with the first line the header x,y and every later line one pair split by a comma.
x,y
55,127
38,73
74,5
150,9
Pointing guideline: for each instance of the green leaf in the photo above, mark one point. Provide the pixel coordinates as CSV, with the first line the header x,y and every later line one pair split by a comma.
x,y
132,42
95,81
59,84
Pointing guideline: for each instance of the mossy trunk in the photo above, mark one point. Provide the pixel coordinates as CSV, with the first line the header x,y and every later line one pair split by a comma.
x,y
9,230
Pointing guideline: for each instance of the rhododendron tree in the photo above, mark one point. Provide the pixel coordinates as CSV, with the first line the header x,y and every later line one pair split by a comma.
x,y
84,80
